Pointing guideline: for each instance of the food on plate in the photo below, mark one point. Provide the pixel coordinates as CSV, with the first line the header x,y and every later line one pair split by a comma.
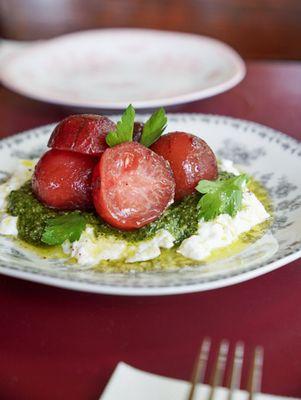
x,y
137,132
190,158
62,180
84,134
132,186
124,197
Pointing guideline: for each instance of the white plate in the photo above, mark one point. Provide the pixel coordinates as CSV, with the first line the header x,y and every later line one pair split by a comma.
x,y
111,68
256,148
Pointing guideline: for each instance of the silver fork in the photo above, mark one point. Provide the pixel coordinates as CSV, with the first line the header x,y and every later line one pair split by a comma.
x,y
219,367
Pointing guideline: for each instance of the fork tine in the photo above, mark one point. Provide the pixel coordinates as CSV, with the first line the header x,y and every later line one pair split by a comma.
x,y
199,369
219,368
235,369
255,374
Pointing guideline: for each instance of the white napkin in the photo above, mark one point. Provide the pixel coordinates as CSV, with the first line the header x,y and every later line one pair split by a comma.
x,y
128,383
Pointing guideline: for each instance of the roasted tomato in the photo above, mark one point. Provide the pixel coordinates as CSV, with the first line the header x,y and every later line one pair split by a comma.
x,y
84,134
190,158
132,186
62,180
138,127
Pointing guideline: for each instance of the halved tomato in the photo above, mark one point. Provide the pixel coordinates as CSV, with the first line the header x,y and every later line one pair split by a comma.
x,y
132,186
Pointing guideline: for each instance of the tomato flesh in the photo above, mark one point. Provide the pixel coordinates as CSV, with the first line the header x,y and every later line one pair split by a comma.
x,y
132,186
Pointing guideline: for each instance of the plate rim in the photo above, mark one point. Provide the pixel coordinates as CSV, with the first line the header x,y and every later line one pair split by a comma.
x,y
80,286
218,282
237,60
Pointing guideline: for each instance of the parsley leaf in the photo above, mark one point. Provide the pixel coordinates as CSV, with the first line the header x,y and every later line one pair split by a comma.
x,y
154,127
124,129
221,196
64,227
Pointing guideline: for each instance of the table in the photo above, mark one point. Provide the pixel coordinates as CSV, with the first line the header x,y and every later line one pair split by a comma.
x,y
60,344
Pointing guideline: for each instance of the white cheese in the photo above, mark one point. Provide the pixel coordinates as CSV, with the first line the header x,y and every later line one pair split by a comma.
x,y
22,173
90,249
224,229
227,166
149,249
8,225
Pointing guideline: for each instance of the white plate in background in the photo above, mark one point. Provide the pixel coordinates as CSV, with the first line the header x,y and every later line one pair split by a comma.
x,y
110,68
9,48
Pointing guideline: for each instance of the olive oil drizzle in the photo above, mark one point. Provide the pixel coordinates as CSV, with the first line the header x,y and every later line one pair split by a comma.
x,y
169,258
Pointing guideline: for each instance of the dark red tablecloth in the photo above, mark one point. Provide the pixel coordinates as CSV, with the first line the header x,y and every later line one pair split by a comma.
x,y
59,344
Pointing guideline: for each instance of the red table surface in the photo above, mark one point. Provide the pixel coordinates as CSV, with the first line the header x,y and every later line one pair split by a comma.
x,y
60,344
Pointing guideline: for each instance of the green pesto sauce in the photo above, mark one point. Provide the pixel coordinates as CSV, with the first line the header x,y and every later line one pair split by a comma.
x,y
180,219
32,215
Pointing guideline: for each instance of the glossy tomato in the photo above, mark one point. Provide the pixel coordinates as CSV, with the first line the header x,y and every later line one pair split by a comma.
x,y
62,180
190,158
132,186
85,133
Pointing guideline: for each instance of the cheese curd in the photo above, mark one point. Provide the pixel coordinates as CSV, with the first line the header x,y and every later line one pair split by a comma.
x,y
22,173
224,229
149,249
91,249
8,225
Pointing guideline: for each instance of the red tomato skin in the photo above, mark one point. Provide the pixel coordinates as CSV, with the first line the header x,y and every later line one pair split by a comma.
x,y
132,186
190,158
83,133
62,180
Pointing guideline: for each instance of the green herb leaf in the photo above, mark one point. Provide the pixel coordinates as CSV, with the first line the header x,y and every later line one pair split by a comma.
x,y
124,129
221,196
154,127
64,227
